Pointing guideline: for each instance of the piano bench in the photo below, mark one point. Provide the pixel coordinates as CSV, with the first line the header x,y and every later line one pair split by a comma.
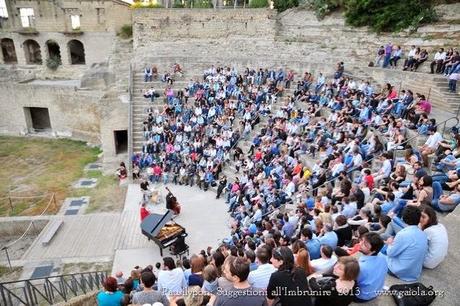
x,y
181,252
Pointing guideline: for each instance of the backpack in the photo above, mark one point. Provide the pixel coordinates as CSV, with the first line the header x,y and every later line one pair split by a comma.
x,y
403,294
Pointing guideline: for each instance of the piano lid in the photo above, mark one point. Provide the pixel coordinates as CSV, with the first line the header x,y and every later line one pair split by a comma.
x,y
153,223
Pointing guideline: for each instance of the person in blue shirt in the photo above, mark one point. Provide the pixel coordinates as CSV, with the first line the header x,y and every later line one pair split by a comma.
x,y
406,252
313,245
372,267
329,238
111,296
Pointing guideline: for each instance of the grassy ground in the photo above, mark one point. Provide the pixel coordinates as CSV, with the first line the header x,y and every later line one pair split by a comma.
x,y
9,275
86,267
33,166
107,196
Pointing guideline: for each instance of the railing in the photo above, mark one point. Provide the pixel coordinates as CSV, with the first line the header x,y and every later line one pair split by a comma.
x,y
31,224
50,290
130,121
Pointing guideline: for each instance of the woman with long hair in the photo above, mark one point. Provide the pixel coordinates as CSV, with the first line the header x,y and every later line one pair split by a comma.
x,y
340,286
288,286
438,240
303,261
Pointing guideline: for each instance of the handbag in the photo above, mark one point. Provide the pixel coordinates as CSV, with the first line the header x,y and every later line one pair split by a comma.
x,y
415,294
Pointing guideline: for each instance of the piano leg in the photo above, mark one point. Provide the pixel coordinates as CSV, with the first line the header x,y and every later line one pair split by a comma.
x,y
161,251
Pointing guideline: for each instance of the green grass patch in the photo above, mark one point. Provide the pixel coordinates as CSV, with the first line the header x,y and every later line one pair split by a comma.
x,y
107,196
7,274
34,166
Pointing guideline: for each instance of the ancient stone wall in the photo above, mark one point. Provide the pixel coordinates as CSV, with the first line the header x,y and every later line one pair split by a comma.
x,y
73,113
260,36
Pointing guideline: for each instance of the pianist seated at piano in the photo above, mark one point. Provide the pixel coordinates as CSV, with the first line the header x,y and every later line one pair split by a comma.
x,y
171,280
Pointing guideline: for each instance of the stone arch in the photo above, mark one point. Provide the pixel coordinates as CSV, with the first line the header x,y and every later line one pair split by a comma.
x,y
77,52
8,51
54,51
32,52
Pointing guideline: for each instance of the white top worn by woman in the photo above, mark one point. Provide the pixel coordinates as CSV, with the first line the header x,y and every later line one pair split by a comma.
x,y
438,243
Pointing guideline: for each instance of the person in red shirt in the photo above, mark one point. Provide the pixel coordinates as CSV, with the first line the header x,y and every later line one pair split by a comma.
x,y
157,173
369,179
258,155
144,212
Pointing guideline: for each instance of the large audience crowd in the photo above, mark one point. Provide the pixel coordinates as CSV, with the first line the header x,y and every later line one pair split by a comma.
x,y
330,197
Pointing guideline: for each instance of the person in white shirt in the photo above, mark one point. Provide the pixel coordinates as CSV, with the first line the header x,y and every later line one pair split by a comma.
x,y
431,144
385,171
171,280
259,277
357,159
326,262
257,217
438,241
439,59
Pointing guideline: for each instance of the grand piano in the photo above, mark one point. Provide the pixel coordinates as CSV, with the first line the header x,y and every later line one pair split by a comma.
x,y
164,232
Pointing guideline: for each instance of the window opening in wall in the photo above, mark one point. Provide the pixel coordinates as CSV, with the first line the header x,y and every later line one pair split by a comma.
x,y
3,9
38,119
8,51
100,15
75,20
54,52
77,52
27,17
121,141
32,52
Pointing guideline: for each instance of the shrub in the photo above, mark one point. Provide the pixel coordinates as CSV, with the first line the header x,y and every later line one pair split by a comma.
x,y
395,15
126,31
282,5
138,5
324,7
258,3
202,4
53,62
178,4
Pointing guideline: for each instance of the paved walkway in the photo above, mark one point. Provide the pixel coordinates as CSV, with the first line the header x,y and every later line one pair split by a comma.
x,y
104,235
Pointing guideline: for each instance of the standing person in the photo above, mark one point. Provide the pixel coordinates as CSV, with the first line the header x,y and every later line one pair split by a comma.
x,y
148,74
288,279
241,293
222,185
111,296
148,295
453,78
372,267
144,212
387,57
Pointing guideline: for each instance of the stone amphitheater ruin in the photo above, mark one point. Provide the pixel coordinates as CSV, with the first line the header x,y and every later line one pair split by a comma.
x,y
95,95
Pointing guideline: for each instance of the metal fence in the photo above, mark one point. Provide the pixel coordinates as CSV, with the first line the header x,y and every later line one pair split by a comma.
x,y
50,290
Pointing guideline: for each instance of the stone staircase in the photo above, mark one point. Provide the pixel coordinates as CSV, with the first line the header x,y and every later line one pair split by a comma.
x,y
119,62
433,86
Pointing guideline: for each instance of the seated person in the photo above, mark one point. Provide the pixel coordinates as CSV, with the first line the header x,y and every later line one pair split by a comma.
x,y
407,250
372,267
448,203
172,204
438,240
326,262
